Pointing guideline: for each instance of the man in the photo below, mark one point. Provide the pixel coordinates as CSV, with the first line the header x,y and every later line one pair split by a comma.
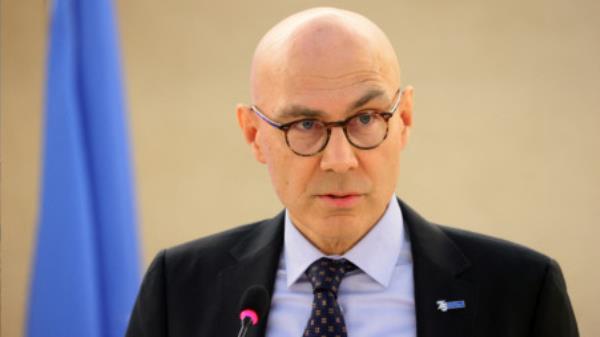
x,y
346,258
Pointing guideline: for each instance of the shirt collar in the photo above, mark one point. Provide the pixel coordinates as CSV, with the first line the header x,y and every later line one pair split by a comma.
x,y
376,253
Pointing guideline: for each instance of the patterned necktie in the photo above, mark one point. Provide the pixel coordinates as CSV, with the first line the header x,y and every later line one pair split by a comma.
x,y
326,319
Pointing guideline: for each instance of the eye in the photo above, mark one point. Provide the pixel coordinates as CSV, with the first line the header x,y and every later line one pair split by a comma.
x,y
365,119
306,125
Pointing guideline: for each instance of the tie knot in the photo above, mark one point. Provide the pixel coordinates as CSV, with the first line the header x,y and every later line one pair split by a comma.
x,y
327,274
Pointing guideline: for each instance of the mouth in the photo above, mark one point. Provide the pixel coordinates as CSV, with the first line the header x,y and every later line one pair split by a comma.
x,y
346,200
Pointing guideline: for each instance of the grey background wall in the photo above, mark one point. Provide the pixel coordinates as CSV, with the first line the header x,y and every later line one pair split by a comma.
x,y
506,138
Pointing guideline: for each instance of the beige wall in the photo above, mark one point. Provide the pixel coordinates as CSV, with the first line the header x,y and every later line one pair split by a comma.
x,y
506,138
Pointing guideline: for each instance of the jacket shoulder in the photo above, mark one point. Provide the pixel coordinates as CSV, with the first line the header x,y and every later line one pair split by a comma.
x,y
210,252
518,281
498,254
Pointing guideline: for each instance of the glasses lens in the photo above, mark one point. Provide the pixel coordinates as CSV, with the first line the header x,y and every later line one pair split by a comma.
x,y
307,136
367,130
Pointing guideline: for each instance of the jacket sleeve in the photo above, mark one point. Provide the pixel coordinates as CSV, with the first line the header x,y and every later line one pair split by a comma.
x,y
554,315
149,315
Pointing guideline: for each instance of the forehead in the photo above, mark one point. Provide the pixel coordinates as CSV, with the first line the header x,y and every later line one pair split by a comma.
x,y
331,105
326,65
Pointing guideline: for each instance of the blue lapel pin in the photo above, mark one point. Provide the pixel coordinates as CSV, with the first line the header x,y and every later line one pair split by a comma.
x,y
443,305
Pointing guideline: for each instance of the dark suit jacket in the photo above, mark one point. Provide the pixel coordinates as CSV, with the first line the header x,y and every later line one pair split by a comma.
x,y
194,289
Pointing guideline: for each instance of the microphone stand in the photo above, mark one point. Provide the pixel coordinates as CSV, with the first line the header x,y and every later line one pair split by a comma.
x,y
244,328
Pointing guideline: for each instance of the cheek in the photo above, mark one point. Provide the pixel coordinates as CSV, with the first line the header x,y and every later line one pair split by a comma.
x,y
387,166
279,177
395,140
274,160
290,174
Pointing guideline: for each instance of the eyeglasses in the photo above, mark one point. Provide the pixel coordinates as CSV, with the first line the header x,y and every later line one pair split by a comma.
x,y
307,137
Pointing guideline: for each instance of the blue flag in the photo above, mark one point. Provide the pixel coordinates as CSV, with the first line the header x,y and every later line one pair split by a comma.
x,y
86,267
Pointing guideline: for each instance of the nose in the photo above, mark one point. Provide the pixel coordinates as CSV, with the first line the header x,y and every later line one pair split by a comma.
x,y
338,156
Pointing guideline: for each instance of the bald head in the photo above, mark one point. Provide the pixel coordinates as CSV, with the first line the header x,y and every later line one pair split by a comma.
x,y
321,49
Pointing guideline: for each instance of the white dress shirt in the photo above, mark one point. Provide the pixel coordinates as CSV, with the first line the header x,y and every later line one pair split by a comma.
x,y
377,299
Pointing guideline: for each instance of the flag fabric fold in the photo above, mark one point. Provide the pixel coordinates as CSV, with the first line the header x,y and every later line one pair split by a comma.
x,y
85,272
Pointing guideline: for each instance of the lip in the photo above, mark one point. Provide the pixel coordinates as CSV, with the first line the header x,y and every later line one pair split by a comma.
x,y
340,200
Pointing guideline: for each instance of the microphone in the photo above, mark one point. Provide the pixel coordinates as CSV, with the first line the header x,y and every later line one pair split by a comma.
x,y
253,306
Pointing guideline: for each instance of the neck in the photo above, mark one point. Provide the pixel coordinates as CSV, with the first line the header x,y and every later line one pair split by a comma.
x,y
337,236
337,245
333,247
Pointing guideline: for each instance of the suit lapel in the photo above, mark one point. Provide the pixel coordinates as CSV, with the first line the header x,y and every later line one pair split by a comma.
x,y
257,258
438,264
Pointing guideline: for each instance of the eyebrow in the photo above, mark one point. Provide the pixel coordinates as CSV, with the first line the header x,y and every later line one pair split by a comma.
x,y
300,111
366,98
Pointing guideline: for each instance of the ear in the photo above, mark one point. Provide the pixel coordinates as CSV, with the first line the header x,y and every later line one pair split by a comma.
x,y
248,123
406,112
